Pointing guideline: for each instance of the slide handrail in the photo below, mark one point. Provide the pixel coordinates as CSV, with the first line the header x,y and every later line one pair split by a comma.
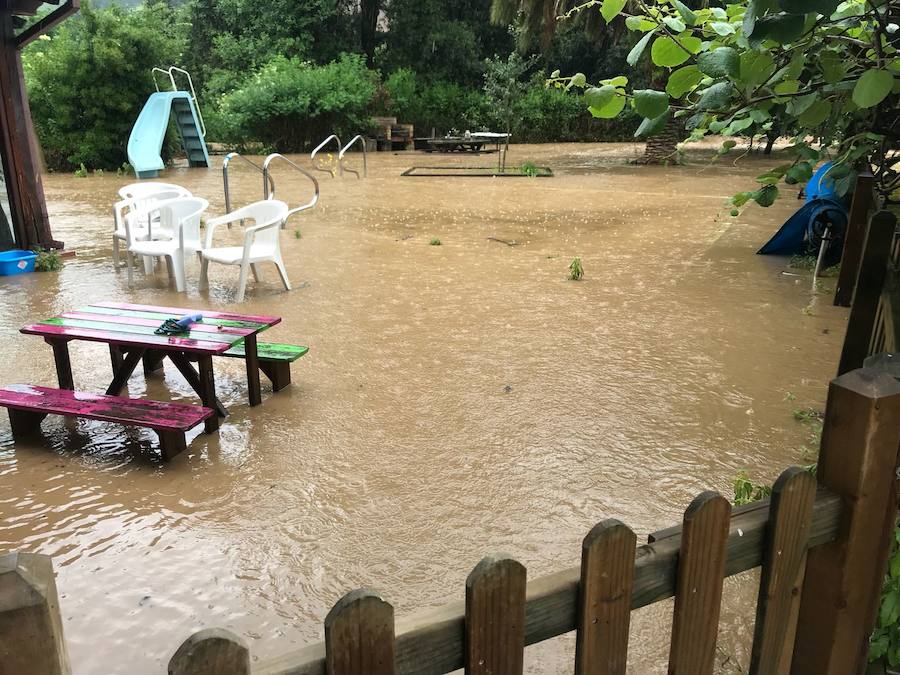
x,y
271,194
321,145
225,162
170,74
358,138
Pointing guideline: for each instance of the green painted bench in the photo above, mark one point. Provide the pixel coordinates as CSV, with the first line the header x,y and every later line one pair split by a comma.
x,y
274,360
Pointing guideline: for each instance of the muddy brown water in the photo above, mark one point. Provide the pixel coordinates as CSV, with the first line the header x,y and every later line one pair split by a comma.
x,y
457,400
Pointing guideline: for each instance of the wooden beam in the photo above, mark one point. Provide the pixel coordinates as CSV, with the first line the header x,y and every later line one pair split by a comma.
x,y
47,23
857,224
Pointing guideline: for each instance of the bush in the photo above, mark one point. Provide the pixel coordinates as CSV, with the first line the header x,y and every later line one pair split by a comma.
x,y
552,115
88,82
289,104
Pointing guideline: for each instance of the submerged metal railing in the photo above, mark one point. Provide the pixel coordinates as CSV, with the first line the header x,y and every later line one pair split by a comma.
x,y
270,194
319,147
170,74
362,142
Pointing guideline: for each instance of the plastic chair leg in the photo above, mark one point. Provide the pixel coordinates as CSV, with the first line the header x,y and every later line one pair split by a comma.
x,y
242,282
279,264
255,270
204,273
115,252
176,266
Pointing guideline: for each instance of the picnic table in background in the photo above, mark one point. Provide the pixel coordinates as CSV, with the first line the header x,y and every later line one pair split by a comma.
x,y
129,331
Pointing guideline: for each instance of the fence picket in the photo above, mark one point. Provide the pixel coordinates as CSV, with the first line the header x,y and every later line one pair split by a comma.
x,y
783,569
604,604
359,635
211,651
698,587
495,617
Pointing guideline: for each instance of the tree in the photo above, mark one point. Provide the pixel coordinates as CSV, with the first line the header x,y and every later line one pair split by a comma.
x,y
504,86
825,70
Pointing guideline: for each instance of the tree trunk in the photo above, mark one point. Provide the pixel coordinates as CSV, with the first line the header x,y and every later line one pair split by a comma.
x,y
770,141
368,27
662,148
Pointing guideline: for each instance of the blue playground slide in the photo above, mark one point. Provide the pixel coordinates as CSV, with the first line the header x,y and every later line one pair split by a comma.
x,y
149,132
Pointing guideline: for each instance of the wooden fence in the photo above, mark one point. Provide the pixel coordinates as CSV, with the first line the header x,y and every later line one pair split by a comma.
x,y
822,544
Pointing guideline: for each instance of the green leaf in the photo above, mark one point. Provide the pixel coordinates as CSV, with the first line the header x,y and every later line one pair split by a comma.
x,y
740,125
781,28
610,109
689,17
722,28
610,9
676,25
824,7
650,103
617,81
665,52
691,43
799,104
872,88
639,23
817,113
759,116
597,97
638,49
723,62
683,80
741,198
578,80
890,608
787,87
715,97
799,173
765,196
649,127
756,68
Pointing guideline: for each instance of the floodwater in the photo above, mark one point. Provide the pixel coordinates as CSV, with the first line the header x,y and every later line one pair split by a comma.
x,y
457,400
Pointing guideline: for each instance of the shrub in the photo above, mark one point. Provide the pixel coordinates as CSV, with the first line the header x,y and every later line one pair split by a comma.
x,y
289,104
88,81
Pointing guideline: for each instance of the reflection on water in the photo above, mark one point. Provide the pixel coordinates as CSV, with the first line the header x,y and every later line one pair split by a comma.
x,y
457,399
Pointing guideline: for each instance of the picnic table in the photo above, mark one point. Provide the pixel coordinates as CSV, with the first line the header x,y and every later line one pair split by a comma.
x,y
128,329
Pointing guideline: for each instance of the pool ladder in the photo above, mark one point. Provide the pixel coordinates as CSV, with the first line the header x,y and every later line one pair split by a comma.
x,y
268,181
342,150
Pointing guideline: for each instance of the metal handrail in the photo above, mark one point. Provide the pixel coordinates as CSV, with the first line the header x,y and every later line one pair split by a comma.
x,y
271,195
321,145
353,140
226,161
171,76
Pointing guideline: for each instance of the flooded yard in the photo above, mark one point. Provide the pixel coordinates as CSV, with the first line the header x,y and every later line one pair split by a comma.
x,y
457,399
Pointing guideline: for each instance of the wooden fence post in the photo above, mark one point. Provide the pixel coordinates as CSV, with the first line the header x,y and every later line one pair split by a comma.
x,y
854,238
858,461
495,617
212,651
869,284
359,635
31,636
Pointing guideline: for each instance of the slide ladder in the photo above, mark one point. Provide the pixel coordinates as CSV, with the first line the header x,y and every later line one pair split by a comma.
x,y
149,131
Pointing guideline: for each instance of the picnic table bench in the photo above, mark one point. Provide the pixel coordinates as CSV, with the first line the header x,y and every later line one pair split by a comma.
x,y
28,405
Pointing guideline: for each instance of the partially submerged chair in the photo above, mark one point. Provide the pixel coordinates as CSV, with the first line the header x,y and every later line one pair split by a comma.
x,y
139,197
181,217
261,243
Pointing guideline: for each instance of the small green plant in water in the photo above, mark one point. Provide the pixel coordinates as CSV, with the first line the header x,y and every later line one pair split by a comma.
x,y
529,168
885,641
98,173
434,242
576,271
297,234
47,261
81,171
125,170
746,491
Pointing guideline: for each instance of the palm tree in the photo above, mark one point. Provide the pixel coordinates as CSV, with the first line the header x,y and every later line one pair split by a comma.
x,y
539,19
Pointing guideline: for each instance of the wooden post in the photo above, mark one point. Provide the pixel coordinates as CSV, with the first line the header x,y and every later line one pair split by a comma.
x,y
854,238
869,284
858,461
31,635
495,617
359,635
604,602
213,651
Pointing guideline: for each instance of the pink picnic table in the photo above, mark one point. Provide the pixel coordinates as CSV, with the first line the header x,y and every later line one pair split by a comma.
x,y
128,330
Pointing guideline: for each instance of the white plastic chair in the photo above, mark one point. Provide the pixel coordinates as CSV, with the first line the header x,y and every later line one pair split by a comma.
x,y
140,197
181,216
261,243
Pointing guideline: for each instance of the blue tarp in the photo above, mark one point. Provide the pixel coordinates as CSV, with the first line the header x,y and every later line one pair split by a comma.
x,y
802,231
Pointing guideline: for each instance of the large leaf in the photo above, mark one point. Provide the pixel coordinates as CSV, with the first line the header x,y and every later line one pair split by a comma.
x,y
638,49
756,68
815,114
686,13
824,7
683,80
597,97
800,104
650,127
715,97
610,109
872,88
665,52
833,66
723,28
610,9
639,23
650,103
723,62
675,25
765,196
782,28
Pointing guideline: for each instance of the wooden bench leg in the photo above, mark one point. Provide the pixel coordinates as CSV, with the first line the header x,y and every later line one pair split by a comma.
x,y
278,372
24,422
153,361
171,443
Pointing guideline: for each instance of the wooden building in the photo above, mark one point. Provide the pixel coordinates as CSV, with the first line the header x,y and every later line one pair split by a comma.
x,y
23,212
